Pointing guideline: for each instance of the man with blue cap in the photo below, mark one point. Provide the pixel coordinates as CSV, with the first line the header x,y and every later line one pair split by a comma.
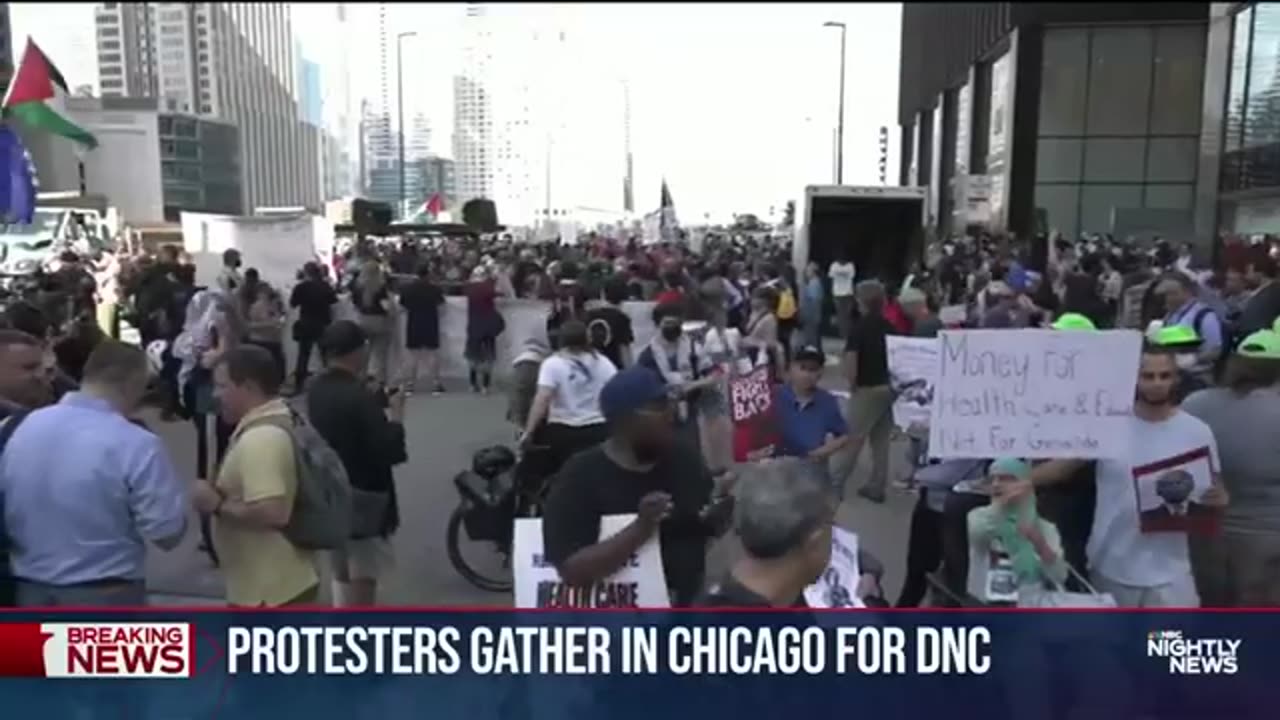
x,y
642,469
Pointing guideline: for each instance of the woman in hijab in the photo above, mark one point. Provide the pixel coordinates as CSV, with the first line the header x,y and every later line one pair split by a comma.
x,y
484,325
212,327
372,299
1010,545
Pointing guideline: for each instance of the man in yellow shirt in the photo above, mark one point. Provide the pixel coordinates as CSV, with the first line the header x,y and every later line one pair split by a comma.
x,y
253,497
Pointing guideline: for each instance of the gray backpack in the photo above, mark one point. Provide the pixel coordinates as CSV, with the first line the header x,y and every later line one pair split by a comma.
x,y
321,517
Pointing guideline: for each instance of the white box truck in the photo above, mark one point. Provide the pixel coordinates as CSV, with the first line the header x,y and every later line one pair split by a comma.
x,y
880,229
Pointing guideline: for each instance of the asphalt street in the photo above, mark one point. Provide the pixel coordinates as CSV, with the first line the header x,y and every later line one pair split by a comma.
x,y
443,432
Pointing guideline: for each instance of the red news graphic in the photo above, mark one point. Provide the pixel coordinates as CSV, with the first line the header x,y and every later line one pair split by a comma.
x,y
97,650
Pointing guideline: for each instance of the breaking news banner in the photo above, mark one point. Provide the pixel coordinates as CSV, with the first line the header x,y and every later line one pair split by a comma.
x,y
172,665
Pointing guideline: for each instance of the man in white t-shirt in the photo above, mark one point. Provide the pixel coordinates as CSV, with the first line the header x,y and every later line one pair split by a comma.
x,y
568,397
1145,569
842,274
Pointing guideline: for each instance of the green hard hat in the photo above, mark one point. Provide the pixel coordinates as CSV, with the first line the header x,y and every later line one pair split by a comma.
x,y
1175,336
1073,321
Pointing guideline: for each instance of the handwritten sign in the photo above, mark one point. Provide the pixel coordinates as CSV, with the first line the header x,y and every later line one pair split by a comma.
x,y
641,583
1034,393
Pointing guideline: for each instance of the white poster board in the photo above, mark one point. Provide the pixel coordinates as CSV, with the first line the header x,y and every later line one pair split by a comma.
x,y
913,371
838,586
1034,393
641,583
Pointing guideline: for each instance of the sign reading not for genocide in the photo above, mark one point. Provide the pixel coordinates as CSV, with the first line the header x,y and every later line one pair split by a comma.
x,y
1034,393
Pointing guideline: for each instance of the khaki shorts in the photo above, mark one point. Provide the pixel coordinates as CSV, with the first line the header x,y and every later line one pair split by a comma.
x,y
366,559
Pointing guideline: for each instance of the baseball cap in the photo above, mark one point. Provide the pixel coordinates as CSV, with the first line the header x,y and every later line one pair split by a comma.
x,y
1073,321
342,338
629,391
1175,335
810,352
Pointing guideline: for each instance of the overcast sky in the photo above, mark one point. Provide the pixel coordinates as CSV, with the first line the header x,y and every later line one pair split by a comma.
x,y
734,104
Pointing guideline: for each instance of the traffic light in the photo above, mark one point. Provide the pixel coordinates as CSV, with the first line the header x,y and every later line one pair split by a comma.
x,y
884,154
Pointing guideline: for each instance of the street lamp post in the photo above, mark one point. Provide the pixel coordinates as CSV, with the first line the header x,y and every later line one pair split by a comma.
x,y
840,111
404,207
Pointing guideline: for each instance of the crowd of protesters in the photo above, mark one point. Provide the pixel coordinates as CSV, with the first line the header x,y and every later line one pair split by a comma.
x,y
633,424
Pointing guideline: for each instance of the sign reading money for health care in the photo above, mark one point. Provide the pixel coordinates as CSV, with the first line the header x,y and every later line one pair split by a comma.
x,y
1034,393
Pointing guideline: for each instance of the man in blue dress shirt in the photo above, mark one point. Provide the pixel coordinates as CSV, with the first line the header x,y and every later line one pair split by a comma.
x,y
810,424
85,489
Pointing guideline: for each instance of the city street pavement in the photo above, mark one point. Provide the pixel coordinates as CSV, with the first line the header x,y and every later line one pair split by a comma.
x,y
442,434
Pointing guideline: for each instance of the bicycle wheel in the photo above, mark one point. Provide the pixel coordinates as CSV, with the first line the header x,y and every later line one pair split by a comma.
x,y
456,538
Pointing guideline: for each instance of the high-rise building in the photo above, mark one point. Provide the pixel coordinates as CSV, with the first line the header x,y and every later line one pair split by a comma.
x,y
341,144
525,135
1079,118
417,138
6,49
233,61
628,180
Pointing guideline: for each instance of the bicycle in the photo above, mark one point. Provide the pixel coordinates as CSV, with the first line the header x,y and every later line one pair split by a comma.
x,y
500,488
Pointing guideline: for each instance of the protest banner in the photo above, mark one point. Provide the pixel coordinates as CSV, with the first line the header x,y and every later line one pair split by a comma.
x,y
838,586
755,422
1034,393
641,583
913,370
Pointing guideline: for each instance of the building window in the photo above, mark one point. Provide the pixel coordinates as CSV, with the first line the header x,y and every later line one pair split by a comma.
x,y
112,84
109,44
109,32
1108,139
109,58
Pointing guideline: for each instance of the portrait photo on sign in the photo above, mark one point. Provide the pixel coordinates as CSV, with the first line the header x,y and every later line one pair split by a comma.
x,y
1169,494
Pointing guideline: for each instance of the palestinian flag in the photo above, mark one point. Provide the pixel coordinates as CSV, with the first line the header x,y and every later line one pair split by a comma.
x,y
37,98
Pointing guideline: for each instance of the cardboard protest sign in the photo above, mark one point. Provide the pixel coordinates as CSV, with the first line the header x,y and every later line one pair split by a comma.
x,y
641,583
838,586
1169,492
755,422
1034,393
913,371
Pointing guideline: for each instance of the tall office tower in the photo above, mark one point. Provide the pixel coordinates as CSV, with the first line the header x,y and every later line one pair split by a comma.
x,y
125,41
234,61
629,179
340,121
7,50
417,138
473,147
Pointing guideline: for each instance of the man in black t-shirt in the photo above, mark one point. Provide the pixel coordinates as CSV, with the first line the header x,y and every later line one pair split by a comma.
x,y
314,299
640,469
609,328
871,403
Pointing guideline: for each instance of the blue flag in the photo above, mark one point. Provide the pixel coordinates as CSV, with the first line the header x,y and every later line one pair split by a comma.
x,y
17,179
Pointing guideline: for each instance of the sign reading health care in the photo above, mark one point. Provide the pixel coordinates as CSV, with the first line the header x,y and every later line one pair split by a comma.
x,y
1034,393
641,583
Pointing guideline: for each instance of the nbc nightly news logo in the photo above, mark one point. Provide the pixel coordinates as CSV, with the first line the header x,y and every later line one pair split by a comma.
x,y
1194,656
